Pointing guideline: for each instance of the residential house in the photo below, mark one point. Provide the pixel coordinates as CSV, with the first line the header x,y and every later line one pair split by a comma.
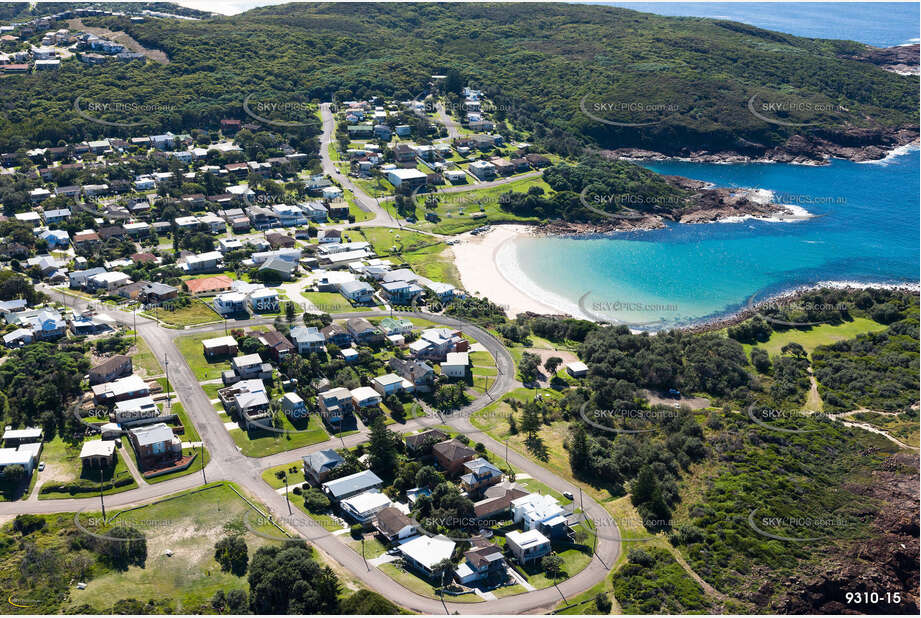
x,y
357,292
452,455
335,404
250,366
230,303
279,268
480,475
157,293
455,365
263,300
352,485
27,435
393,524
209,285
209,261
307,339
482,564
365,397
527,546
362,331
540,512
411,177
293,405
121,389
155,445
390,384
98,454
118,366
400,292
247,401
418,372
276,343
363,507
421,443
219,346
484,170
425,553
337,335
107,280
395,326
495,505
319,465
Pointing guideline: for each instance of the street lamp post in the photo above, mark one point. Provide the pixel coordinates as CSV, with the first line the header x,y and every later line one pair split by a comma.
x,y
169,402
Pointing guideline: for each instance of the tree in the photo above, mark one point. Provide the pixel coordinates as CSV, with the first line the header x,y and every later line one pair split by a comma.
x,y
427,476
122,547
528,367
552,363
232,554
760,360
603,603
315,500
383,449
552,565
237,602
288,580
14,475
368,603
645,486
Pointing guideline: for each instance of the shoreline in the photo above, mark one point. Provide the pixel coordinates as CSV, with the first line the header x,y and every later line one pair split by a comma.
x,y
485,271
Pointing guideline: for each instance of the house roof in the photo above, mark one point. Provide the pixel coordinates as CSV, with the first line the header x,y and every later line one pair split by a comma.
x,y
526,539
97,448
276,340
428,550
366,502
453,450
110,365
208,284
152,434
497,504
326,459
415,441
354,482
482,556
391,520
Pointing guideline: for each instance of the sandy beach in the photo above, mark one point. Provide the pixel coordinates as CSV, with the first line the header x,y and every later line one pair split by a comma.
x,y
475,258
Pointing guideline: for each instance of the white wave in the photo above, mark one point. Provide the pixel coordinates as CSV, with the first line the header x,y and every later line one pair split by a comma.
x,y
895,152
506,258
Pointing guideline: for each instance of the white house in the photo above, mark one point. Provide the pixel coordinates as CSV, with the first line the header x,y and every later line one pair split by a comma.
x,y
577,369
411,177
364,506
484,170
424,552
455,365
527,546
365,397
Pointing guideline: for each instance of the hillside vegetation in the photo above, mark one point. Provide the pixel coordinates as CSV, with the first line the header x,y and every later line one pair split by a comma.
x,y
692,78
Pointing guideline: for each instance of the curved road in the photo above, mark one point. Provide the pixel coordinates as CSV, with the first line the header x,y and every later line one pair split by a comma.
x,y
228,464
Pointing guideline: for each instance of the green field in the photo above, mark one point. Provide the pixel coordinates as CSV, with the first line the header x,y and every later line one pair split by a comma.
x,y
435,263
188,525
143,359
261,442
293,477
485,201
823,334
196,313
190,347
387,241
331,302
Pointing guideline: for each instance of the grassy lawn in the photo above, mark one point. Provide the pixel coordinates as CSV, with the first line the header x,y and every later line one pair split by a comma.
x,y
190,347
143,358
293,477
331,302
383,239
456,210
373,546
62,464
261,442
811,338
435,262
374,187
196,313
188,525
416,584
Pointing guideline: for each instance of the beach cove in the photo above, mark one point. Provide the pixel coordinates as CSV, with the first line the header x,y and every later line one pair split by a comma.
x,y
864,231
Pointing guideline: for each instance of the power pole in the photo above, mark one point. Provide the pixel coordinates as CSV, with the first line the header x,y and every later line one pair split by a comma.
x,y
288,500
169,403
135,313
201,454
101,501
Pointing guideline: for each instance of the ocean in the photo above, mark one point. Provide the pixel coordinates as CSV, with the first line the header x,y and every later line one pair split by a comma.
x,y
865,230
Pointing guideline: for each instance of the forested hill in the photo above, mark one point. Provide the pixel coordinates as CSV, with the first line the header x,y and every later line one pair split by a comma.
x,y
688,82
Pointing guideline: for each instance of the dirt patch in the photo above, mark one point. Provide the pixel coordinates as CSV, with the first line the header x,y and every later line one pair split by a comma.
x,y
694,403
120,37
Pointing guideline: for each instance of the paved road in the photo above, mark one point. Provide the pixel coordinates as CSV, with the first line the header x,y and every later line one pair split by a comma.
x,y
228,464
449,123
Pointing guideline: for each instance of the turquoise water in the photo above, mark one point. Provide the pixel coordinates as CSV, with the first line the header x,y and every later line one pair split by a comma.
x,y
868,231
